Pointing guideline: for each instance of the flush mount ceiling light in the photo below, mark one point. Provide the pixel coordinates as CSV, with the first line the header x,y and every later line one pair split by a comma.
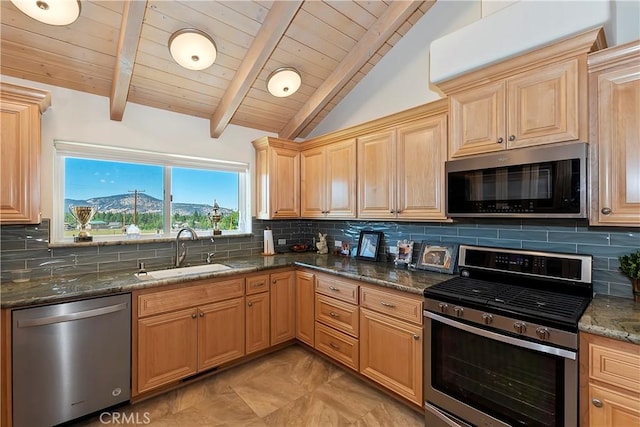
x,y
52,12
192,49
283,82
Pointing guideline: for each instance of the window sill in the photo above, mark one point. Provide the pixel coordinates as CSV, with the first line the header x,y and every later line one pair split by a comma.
x,y
141,240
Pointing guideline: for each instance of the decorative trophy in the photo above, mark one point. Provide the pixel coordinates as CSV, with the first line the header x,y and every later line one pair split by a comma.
x,y
215,218
83,215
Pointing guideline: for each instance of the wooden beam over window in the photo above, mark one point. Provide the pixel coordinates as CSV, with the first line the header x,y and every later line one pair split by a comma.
x,y
132,17
273,28
396,15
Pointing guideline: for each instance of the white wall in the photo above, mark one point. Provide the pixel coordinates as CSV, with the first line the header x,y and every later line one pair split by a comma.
x,y
82,117
626,25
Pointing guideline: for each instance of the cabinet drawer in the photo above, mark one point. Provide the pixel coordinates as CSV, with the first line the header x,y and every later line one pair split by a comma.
x,y
337,288
615,367
337,345
386,302
257,284
175,299
337,314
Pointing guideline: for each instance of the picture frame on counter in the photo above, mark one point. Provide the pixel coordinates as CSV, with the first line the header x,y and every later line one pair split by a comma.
x,y
440,257
369,244
404,252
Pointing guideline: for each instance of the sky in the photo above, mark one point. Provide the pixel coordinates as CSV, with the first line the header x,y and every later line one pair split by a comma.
x,y
86,178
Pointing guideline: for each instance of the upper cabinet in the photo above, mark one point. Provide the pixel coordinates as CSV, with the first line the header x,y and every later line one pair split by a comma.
x,y
277,187
533,99
20,110
328,183
614,92
401,170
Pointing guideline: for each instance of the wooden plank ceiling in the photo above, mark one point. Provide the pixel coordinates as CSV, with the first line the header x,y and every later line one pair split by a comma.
x,y
119,49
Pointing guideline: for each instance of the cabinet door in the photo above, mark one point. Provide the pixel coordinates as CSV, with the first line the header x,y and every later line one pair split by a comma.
x,y
166,348
284,179
305,291
618,145
376,175
313,178
220,333
543,105
391,354
341,179
257,330
420,189
283,310
477,120
19,163
609,408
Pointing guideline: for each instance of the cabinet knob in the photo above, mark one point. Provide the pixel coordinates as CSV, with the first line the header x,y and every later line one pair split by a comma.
x,y
606,211
392,211
416,337
512,137
274,282
193,316
201,314
250,303
597,403
500,140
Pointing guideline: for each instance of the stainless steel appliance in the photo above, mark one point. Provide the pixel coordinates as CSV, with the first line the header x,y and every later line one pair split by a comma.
x,y
547,181
502,339
70,359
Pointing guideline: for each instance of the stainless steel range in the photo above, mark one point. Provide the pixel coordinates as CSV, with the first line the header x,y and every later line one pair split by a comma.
x,y
502,339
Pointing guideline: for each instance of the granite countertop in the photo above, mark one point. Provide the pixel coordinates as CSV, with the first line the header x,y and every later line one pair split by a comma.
x,y
612,317
59,289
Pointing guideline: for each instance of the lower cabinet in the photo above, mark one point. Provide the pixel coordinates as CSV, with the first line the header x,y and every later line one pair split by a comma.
x,y
305,283
220,333
283,306
610,382
257,330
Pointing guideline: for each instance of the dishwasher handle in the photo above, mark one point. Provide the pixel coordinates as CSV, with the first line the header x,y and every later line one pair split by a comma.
x,y
27,323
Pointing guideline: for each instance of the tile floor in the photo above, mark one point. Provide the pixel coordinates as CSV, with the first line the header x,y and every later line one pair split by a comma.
x,y
292,387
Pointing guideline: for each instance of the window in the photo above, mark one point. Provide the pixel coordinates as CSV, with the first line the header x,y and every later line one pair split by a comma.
x,y
158,193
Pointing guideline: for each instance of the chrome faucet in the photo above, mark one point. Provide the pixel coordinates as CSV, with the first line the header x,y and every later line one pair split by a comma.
x,y
181,256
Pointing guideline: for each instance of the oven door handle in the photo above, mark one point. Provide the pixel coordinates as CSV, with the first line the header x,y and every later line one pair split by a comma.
x,y
442,417
567,354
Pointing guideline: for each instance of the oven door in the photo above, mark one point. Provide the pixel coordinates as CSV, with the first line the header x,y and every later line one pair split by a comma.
x,y
489,379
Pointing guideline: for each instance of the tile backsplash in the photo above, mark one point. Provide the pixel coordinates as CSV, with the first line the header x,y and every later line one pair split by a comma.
x,y
27,246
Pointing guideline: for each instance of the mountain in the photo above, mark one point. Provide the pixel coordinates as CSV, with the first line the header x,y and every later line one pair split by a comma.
x,y
123,203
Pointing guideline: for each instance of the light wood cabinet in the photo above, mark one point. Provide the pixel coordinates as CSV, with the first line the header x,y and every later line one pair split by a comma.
x,y
609,382
539,106
20,113
328,181
257,318
283,306
186,330
401,171
305,291
391,340
614,93
277,186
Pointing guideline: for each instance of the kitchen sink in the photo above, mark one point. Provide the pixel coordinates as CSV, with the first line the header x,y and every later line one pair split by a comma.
x,y
182,271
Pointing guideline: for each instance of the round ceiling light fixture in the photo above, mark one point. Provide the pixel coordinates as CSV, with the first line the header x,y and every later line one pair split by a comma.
x,y
52,12
284,82
192,49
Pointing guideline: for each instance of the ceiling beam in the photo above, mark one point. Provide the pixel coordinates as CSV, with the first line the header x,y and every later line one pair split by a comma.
x,y
132,18
273,28
395,15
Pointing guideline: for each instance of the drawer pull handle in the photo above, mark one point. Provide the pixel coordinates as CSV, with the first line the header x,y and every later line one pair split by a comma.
x,y
332,345
332,314
333,288
386,304
597,403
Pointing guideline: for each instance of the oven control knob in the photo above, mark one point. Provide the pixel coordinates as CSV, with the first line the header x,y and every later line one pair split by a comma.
x,y
487,318
520,327
543,333
459,311
443,307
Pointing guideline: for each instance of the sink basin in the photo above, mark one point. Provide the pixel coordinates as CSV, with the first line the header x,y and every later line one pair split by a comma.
x,y
183,271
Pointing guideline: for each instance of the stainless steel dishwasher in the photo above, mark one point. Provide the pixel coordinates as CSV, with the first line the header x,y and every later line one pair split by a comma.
x,y
70,359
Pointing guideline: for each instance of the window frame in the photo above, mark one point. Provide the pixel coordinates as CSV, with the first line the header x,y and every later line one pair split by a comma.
x,y
63,149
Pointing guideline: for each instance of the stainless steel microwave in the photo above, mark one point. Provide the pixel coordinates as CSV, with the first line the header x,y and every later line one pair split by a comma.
x,y
548,181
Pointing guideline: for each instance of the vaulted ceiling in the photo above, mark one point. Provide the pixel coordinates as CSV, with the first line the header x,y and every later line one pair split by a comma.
x,y
119,49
